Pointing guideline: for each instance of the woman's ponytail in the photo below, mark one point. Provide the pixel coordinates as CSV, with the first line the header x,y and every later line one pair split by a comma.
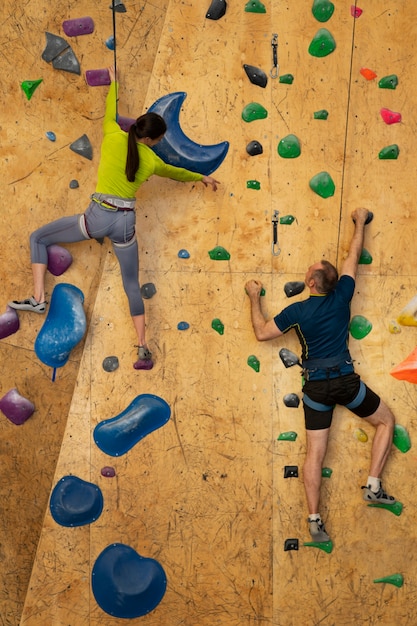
x,y
149,125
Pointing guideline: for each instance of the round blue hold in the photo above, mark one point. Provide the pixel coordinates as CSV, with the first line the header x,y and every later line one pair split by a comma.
x,y
184,254
75,502
51,136
183,326
110,43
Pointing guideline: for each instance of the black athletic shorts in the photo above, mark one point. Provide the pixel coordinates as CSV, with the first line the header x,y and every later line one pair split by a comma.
x,y
321,396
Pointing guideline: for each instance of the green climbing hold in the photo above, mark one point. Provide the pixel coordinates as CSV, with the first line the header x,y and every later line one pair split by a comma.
x,y
254,363
322,184
393,579
218,326
254,111
321,115
286,219
388,82
326,472
326,546
253,184
219,254
286,79
322,43
390,152
289,147
29,87
365,258
395,508
322,10
288,436
359,327
401,438
255,6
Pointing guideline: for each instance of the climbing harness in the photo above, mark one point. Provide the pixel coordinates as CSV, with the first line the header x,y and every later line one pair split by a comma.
x,y
274,43
276,250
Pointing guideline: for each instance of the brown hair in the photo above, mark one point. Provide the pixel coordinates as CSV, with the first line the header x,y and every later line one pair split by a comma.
x,y
325,277
149,125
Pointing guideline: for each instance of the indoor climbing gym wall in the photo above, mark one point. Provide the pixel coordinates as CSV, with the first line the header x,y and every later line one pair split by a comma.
x,y
175,495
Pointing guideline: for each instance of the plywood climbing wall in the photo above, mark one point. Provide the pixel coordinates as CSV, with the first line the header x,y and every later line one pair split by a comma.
x,y
205,495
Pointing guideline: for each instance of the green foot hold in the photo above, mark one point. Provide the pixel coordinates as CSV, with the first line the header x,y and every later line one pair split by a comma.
x,y
396,508
388,82
287,219
288,436
219,254
321,115
322,10
218,326
255,6
322,43
393,579
254,363
322,184
289,147
365,258
29,87
359,327
389,152
326,472
326,546
286,79
401,438
253,184
254,111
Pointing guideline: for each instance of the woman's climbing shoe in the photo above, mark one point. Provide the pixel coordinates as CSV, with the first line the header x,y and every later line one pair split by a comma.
x,y
380,496
144,361
317,530
28,305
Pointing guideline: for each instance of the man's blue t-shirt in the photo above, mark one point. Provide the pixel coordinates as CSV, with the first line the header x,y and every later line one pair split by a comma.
x,y
321,322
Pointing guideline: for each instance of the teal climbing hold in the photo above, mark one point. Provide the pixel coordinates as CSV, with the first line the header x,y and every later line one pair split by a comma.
x,y
392,579
365,257
219,254
253,184
29,87
322,43
388,82
286,79
289,147
359,326
254,363
218,326
322,184
255,6
322,10
389,152
254,111
401,438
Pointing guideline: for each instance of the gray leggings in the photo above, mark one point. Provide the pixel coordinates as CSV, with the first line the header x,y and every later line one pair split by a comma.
x,y
96,222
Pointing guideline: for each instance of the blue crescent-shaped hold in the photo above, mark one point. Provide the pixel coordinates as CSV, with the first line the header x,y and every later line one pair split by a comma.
x,y
176,148
118,435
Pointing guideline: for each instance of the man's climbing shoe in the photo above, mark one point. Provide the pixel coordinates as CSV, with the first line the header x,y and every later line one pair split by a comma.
x,y
28,305
317,531
378,497
144,361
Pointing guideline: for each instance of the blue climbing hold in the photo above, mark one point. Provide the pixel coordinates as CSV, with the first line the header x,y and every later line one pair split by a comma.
x,y
183,254
64,326
183,326
75,502
118,435
126,584
176,148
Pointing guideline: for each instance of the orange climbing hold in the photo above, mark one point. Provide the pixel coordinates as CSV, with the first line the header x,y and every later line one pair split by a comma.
x,y
367,73
407,370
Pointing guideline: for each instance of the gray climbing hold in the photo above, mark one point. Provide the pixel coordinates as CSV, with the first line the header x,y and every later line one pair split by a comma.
x,y
60,53
216,9
74,184
256,75
148,290
54,46
83,147
254,147
292,400
291,471
293,288
110,363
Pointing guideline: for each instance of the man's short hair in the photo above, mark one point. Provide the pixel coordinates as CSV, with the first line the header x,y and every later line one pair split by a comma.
x,y
325,277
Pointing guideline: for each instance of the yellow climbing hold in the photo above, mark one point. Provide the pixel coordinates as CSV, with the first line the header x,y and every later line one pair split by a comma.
x,y
361,435
408,316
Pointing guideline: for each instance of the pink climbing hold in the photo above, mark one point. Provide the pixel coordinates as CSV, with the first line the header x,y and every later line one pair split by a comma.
x,y
9,323
15,407
59,259
390,117
355,11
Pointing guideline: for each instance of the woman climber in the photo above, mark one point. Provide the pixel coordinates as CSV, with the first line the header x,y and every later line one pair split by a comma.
x,y
126,162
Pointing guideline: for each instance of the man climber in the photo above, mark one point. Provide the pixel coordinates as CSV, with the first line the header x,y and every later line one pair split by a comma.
x,y
322,325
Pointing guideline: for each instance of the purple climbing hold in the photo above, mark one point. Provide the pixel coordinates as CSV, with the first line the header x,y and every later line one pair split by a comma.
x,y
108,472
59,259
15,407
78,26
96,78
9,323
